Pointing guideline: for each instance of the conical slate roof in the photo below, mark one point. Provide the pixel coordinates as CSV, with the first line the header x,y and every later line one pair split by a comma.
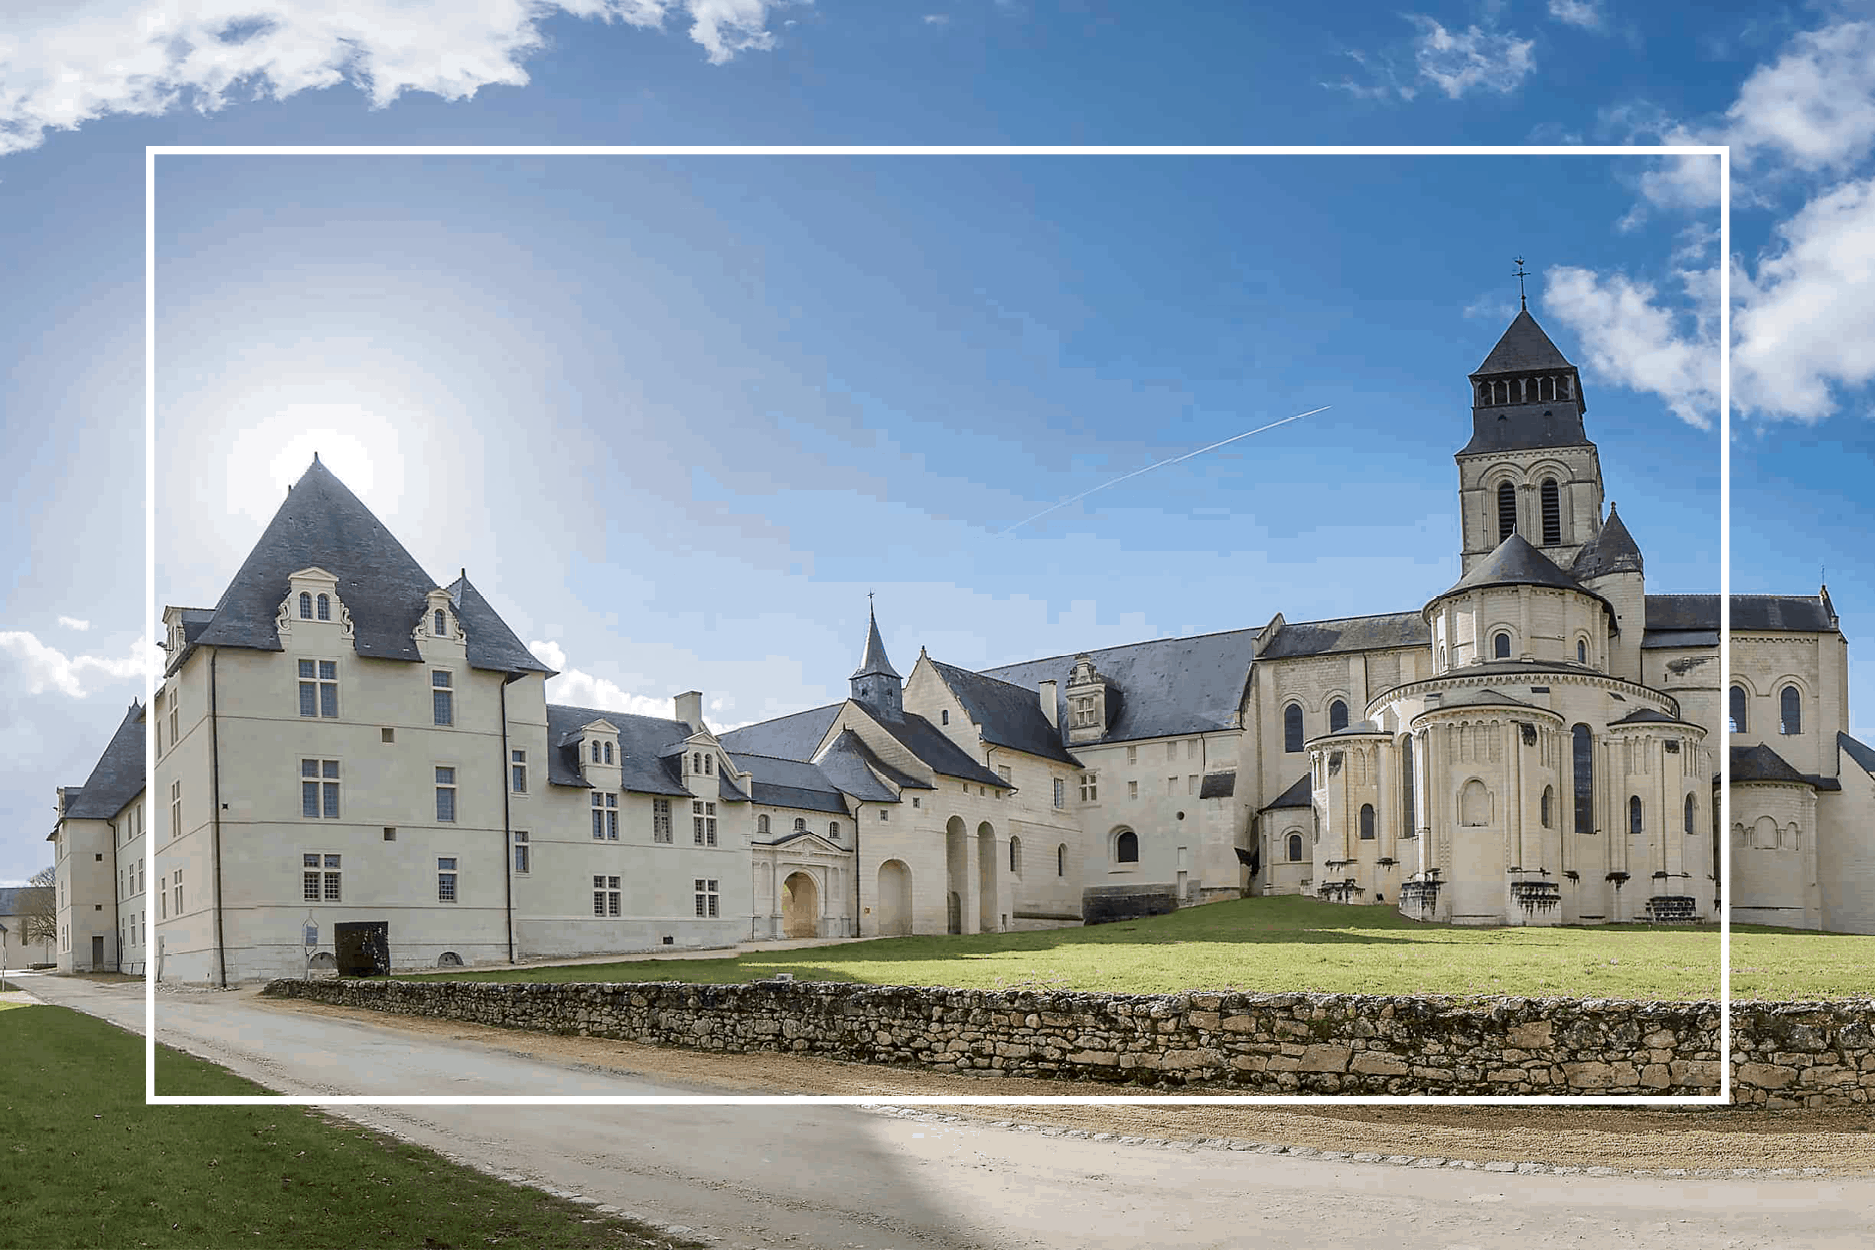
x,y
1524,347
492,645
1761,763
1515,563
118,777
1611,551
874,661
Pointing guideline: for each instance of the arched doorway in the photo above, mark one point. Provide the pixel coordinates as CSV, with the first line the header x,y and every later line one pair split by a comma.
x,y
894,898
800,906
956,870
986,879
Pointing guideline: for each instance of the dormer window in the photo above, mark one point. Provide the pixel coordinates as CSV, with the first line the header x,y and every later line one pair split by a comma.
x,y
595,750
305,605
696,762
608,752
438,623
325,607
1084,713
709,766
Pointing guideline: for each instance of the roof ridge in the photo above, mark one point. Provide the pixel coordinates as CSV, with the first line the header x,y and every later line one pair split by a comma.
x,y
1121,646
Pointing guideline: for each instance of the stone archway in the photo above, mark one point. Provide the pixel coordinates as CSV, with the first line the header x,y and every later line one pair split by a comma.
x,y
800,906
987,876
894,898
957,870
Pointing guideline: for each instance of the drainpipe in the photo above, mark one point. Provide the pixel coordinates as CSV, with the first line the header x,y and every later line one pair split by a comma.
x,y
118,911
507,829
214,808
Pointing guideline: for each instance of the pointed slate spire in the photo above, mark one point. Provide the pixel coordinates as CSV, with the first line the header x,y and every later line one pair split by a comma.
x,y
875,684
1526,394
1611,551
1524,346
874,661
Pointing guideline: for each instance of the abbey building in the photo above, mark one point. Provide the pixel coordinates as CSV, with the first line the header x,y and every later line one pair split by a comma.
x,y
357,765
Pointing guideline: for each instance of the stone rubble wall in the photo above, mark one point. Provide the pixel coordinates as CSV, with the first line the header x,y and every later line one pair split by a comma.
x,y
1790,1054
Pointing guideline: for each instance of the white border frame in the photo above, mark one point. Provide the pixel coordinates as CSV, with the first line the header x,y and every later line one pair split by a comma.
x,y
1722,1098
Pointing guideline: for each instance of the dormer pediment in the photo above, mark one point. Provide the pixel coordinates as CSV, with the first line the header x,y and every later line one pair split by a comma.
x,y
601,725
312,599
440,622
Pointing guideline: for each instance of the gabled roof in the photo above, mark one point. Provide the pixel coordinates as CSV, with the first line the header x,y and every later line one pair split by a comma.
x,y
1613,550
118,776
1516,563
852,766
790,783
1008,715
1385,632
1524,347
641,741
1297,795
874,661
491,644
936,751
1761,763
1862,754
1167,686
792,737
1797,614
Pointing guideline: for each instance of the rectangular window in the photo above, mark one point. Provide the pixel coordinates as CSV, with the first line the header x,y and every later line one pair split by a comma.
x,y
1171,785
446,880
387,734
175,809
318,688
660,820
522,850
320,877
1132,789
517,770
703,823
1004,772
162,902
177,885
1191,784
1191,749
604,816
445,794
1171,750
706,898
1061,792
319,789
605,896
1132,755
174,737
441,699
1090,787
390,833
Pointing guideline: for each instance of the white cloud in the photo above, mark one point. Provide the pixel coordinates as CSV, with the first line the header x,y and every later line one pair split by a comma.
x,y
68,63
1586,14
1813,107
1474,60
72,622
937,19
1630,339
579,689
49,668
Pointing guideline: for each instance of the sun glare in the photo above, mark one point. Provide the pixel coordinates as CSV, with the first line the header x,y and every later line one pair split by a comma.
x,y
355,443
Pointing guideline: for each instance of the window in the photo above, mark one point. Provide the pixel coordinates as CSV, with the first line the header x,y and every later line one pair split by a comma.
x,y
1409,813
319,789
706,898
318,688
833,830
605,896
438,624
522,855
390,833
608,752
1090,787
800,824
761,825
1171,786
703,824
1552,512
604,816
320,878
1083,711
1171,750
1546,812
1061,860
517,771
1691,811
1738,709
1126,848
1582,651
1634,814
709,763
1790,711
445,794
1061,792
1584,779
1367,822
325,608
595,750
660,820
174,737
1506,510
1015,856
1337,716
387,734
175,810
442,701
1295,848
305,606
446,880
1191,784
915,802
1006,774
944,717
1500,647
696,762
176,886
1132,789
1132,755
1292,728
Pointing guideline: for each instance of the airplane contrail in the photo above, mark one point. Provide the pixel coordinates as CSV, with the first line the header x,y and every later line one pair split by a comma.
x,y
1149,468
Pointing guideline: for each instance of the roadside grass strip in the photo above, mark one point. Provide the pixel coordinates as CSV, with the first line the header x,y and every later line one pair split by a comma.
x,y
88,1164
1789,965
1259,945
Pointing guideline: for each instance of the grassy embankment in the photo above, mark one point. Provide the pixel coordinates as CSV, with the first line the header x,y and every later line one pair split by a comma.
x,y
88,1164
1259,944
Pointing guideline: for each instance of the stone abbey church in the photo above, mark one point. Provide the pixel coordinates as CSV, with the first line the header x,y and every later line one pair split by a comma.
x,y
357,765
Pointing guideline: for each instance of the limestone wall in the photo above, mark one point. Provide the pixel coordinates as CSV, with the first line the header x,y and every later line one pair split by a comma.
x,y
1787,1054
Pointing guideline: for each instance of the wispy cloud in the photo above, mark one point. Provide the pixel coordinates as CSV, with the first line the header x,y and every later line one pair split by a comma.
x,y
1457,63
1632,338
1584,14
48,668
937,19
581,689
66,64
72,622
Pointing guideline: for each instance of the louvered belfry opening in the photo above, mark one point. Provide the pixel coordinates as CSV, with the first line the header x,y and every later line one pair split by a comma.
x,y
1506,511
1552,512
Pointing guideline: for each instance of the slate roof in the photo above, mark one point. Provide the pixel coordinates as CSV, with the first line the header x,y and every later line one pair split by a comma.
x,y
1478,698
641,740
1359,728
1648,716
1349,633
1613,550
925,741
323,524
1523,348
13,900
1218,785
1536,671
1761,763
1008,715
1516,563
790,783
118,775
849,763
1861,753
194,621
491,644
792,737
1797,614
874,661
1167,686
1297,795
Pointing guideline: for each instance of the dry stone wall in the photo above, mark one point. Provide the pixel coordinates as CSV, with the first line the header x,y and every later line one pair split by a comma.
x,y
1799,1054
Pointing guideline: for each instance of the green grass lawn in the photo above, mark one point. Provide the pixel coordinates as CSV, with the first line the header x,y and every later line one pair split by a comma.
x,y
1263,944
1788,964
88,1164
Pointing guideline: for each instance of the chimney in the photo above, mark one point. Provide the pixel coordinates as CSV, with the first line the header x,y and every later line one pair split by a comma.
x,y
690,708
1048,701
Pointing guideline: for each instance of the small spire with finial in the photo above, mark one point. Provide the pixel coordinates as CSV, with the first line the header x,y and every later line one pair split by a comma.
x,y
1522,273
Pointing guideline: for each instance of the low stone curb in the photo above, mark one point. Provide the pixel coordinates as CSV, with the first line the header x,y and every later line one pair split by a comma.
x,y
1524,1167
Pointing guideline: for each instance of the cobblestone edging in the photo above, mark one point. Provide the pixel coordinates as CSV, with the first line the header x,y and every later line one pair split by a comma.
x,y
1785,1054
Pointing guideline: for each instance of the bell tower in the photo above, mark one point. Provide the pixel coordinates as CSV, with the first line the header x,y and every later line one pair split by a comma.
x,y
1529,468
875,683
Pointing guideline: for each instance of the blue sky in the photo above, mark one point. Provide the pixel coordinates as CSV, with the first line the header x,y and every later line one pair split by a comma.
x,y
678,415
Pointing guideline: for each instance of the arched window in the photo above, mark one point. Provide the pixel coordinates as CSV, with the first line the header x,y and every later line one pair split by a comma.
x,y
1634,814
1295,848
1061,860
1367,822
1292,728
800,824
696,762
1691,810
608,752
1506,510
1582,651
325,608
1790,711
1408,812
1548,812
1552,512
709,765
1738,709
436,624
1500,647
1584,779
305,606
1015,856
833,830
1337,716
1474,805
761,824
1126,848
595,750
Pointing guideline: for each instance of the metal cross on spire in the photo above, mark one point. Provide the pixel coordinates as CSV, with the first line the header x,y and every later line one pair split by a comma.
x,y
1521,274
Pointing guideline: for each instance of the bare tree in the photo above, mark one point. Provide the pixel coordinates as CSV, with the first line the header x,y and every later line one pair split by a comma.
x,y
39,909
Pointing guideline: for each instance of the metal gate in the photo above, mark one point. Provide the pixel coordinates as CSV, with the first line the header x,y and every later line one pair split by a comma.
x,y
363,948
